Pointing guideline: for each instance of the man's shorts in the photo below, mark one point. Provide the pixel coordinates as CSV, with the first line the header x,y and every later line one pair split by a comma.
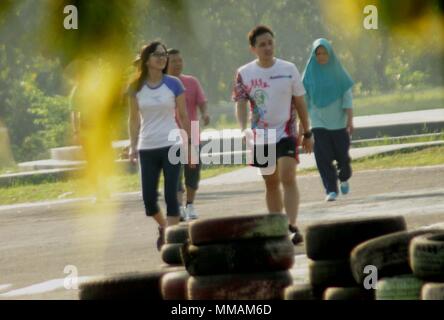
x,y
286,147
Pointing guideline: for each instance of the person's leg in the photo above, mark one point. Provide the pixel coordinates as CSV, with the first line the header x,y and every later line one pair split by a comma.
x,y
171,177
180,188
150,167
288,158
273,193
324,155
341,141
287,176
192,177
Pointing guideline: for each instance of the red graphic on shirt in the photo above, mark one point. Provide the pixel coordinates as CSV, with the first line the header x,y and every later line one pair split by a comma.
x,y
258,83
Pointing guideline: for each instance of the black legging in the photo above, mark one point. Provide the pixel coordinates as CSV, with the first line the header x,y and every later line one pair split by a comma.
x,y
151,163
332,145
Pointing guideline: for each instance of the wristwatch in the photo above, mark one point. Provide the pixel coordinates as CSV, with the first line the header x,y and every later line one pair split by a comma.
x,y
308,134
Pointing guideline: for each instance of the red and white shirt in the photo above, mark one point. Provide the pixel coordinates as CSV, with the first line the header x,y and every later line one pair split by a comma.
x,y
270,92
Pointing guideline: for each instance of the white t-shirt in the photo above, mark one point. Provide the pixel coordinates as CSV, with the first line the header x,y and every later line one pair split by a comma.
x,y
270,92
157,108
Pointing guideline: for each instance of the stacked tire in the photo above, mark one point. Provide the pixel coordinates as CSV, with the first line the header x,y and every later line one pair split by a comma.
x,y
174,284
127,286
402,263
175,237
239,258
329,246
427,263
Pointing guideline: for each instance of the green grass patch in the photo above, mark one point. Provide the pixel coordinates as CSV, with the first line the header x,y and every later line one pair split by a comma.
x,y
400,101
388,140
415,157
429,156
75,188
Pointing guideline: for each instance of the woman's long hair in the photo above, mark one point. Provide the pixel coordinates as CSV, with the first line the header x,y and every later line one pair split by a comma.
x,y
145,54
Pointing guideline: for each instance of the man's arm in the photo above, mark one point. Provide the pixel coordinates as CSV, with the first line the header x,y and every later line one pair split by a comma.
x,y
301,109
350,127
241,113
203,108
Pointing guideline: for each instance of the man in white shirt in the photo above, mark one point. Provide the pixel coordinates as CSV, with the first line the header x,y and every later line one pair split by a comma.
x,y
275,93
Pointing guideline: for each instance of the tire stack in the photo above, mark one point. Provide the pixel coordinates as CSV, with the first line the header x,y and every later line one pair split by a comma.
x,y
173,284
239,258
329,246
127,286
175,237
404,261
427,263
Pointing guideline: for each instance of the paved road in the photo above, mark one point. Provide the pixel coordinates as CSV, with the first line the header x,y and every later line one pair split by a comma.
x,y
38,242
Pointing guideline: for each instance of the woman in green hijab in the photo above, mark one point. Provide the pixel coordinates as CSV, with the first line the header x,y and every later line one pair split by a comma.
x,y
329,100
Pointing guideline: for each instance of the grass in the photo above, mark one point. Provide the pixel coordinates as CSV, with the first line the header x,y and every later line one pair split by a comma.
x,y
78,188
418,157
388,140
402,159
399,101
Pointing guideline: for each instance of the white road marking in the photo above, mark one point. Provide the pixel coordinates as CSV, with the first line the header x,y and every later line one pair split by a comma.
x,y
42,287
4,287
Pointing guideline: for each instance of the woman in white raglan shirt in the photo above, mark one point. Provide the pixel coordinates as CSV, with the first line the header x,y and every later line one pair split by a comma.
x,y
154,99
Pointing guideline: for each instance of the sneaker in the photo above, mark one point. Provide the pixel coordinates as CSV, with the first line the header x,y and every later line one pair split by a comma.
x,y
297,236
345,187
331,196
161,238
190,212
183,214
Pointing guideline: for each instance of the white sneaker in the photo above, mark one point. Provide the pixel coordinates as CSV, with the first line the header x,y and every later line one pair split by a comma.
x,y
190,212
183,213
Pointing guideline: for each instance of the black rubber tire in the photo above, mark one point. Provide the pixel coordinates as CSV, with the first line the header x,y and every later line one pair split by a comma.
x,y
432,291
254,286
176,234
132,286
335,240
257,255
172,267
349,293
404,287
330,273
218,230
427,257
174,285
302,292
389,254
171,254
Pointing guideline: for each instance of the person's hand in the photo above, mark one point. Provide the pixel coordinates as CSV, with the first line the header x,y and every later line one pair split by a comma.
x,y
307,144
350,127
205,118
299,138
133,155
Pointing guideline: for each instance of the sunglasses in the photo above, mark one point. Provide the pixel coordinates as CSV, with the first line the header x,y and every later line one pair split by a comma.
x,y
160,54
